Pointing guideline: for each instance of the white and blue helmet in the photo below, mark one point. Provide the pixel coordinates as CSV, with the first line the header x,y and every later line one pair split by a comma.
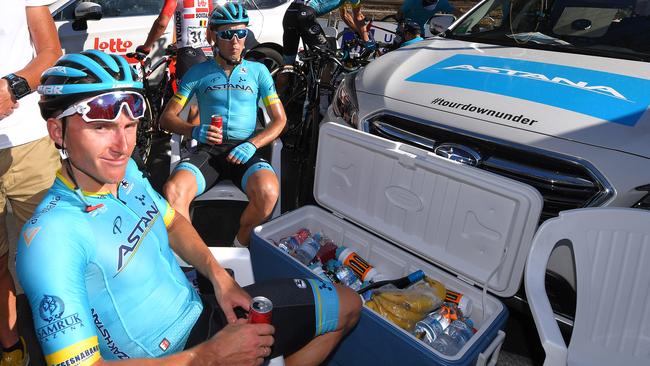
x,y
77,76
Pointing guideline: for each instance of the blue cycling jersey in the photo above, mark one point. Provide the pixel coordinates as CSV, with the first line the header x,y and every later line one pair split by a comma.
x,y
416,10
414,40
325,6
233,97
105,282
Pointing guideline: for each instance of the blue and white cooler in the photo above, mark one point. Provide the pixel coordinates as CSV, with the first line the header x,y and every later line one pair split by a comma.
x,y
405,209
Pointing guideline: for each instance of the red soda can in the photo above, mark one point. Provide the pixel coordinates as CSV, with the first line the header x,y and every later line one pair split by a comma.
x,y
260,310
217,121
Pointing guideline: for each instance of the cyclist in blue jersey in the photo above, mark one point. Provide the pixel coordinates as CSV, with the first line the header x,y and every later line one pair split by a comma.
x,y
300,22
230,87
421,11
97,259
410,31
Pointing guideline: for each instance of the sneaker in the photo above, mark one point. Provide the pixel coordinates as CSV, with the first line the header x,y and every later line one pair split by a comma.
x,y
18,357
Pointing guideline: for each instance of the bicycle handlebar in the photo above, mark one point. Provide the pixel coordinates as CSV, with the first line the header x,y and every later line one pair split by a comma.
x,y
316,52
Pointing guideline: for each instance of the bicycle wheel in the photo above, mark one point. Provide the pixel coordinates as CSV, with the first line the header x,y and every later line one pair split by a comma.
x,y
292,93
144,135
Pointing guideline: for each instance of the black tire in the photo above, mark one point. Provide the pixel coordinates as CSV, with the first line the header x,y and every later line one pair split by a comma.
x,y
292,95
271,58
144,135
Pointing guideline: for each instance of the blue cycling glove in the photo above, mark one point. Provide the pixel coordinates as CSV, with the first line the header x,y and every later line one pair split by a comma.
x,y
243,151
200,133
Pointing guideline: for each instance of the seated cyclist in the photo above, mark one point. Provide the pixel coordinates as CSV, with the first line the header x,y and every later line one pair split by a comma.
x,y
300,22
97,260
230,87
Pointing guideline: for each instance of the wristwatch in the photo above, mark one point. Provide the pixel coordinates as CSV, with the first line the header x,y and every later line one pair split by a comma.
x,y
18,85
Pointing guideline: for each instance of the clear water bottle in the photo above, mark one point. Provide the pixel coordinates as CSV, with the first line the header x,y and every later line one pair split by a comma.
x,y
307,251
454,337
347,277
432,326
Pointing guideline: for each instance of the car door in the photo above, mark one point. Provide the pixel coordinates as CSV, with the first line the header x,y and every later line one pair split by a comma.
x,y
125,24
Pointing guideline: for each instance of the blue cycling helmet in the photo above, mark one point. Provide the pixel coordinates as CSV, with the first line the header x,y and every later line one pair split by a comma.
x,y
77,76
411,26
228,13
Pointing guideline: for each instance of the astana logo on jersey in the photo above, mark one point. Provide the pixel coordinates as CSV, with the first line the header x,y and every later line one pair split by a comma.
x,y
126,252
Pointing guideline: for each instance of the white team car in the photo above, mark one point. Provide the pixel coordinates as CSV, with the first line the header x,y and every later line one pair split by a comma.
x,y
550,93
119,26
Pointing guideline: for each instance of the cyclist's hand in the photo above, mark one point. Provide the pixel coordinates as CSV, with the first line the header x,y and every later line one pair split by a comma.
x,y
241,153
207,134
229,296
240,344
7,102
142,49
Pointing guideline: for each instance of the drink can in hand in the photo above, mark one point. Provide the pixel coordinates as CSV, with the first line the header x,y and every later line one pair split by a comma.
x,y
217,121
261,308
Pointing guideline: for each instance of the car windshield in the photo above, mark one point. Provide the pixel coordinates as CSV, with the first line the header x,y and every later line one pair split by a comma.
x,y
610,28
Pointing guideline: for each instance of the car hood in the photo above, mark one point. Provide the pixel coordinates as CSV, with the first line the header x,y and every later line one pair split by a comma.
x,y
593,100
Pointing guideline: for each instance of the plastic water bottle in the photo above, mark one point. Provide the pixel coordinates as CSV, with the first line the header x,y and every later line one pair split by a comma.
x,y
454,337
348,278
432,326
307,251
317,269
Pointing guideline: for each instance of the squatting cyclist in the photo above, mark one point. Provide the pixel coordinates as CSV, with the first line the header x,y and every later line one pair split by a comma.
x,y
97,260
230,87
300,22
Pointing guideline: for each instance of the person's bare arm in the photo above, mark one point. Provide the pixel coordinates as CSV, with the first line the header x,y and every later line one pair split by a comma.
x,y
47,50
273,129
157,29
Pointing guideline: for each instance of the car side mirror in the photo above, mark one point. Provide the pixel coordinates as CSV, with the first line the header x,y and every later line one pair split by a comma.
x,y
439,23
84,12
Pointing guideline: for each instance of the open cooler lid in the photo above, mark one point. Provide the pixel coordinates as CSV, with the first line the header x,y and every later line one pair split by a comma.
x,y
459,217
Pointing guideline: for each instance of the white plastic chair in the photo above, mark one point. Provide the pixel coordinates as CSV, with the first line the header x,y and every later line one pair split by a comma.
x,y
239,261
226,190
611,247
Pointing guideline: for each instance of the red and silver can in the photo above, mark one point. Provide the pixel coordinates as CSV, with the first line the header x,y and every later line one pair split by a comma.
x,y
261,308
217,121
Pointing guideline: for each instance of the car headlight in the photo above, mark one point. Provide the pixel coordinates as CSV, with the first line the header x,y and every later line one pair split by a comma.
x,y
644,203
345,104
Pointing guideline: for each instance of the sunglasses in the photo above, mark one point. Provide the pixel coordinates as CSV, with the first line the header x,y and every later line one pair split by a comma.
x,y
227,35
107,107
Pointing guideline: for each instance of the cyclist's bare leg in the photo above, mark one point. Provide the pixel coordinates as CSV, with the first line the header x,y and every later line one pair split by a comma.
x,y
179,190
315,352
262,189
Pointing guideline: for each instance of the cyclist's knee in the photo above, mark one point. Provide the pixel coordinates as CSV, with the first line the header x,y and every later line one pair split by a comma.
x,y
264,193
349,307
180,188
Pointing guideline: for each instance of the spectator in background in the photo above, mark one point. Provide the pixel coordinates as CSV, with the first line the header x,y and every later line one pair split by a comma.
x,y
28,159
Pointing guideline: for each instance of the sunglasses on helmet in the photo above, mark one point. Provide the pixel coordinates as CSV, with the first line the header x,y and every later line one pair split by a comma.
x,y
107,107
227,34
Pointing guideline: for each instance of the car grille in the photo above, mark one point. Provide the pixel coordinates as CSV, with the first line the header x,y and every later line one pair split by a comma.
x,y
563,182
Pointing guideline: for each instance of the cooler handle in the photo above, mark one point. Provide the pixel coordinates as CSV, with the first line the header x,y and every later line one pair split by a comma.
x,y
490,356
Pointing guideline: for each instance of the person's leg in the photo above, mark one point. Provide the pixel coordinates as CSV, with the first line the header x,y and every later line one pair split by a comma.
x,y
310,317
32,170
316,351
290,40
179,190
191,177
263,190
